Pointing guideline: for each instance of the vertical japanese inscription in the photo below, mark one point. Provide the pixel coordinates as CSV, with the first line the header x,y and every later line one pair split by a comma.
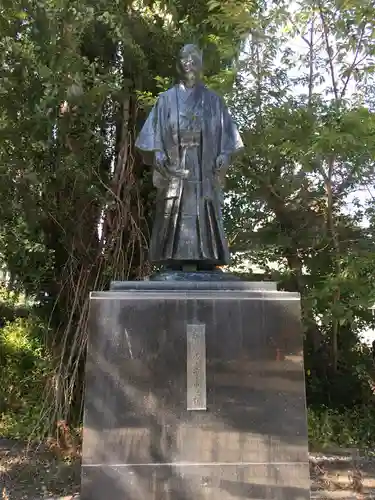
x,y
196,393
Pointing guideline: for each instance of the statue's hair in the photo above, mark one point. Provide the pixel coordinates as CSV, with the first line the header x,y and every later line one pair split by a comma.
x,y
193,49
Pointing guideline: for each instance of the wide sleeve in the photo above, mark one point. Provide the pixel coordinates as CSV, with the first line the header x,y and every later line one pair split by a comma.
x,y
231,141
150,138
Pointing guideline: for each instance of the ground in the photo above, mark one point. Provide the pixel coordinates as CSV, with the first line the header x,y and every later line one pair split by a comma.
x,y
342,475
38,474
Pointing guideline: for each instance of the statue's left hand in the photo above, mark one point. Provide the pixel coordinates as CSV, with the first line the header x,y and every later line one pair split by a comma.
x,y
222,162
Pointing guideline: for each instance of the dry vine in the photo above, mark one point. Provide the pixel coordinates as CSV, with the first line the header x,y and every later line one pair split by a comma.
x,y
120,254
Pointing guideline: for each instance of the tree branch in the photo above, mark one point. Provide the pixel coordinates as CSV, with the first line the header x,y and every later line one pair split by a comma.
x,y
329,52
311,61
355,60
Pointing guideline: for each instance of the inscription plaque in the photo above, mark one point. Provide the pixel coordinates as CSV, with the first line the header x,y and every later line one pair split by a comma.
x,y
196,392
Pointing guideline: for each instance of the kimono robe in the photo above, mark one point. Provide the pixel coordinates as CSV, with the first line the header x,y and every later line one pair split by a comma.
x,y
192,127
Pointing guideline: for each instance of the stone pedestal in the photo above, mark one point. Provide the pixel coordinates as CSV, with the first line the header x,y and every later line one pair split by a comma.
x,y
195,391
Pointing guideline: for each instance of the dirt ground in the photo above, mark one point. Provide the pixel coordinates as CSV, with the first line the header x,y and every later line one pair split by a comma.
x,y
37,473
342,477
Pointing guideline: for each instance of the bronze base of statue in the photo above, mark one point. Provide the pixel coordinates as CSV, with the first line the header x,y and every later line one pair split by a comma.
x,y
192,273
190,265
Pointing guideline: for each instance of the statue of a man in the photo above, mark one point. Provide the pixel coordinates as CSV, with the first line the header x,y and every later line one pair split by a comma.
x,y
189,138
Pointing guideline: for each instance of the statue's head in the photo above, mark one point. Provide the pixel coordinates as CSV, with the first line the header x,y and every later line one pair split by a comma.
x,y
190,61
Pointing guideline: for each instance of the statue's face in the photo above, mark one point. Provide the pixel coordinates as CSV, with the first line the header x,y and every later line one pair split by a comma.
x,y
190,62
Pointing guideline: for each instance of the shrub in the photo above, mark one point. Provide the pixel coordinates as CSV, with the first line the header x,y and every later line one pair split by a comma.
x,y
26,369
349,428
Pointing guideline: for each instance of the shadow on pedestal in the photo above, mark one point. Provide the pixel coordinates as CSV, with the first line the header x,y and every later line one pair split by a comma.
x,y
141,442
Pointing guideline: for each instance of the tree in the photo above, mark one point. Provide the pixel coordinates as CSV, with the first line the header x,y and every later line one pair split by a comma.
x,y
76,81
309,144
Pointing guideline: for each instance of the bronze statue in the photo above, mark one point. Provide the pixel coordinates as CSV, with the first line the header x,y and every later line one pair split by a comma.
x,y
189,138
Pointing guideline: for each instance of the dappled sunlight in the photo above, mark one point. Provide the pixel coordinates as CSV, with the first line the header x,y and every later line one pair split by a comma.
x,y
138,433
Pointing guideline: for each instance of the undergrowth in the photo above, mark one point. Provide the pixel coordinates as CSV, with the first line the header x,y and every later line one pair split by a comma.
x,y
347,428
26,372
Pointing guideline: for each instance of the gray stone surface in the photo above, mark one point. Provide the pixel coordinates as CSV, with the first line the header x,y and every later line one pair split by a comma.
x,y
141,441
197,284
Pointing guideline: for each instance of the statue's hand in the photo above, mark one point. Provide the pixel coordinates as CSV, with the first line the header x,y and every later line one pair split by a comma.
x,y
182,174
161,163
163,167
222,163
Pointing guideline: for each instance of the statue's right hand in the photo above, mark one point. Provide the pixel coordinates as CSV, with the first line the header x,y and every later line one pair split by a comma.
x,y
163,167
160,160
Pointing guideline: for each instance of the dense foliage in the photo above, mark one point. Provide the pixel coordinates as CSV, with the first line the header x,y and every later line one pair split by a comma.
x,y
76,82
304,100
